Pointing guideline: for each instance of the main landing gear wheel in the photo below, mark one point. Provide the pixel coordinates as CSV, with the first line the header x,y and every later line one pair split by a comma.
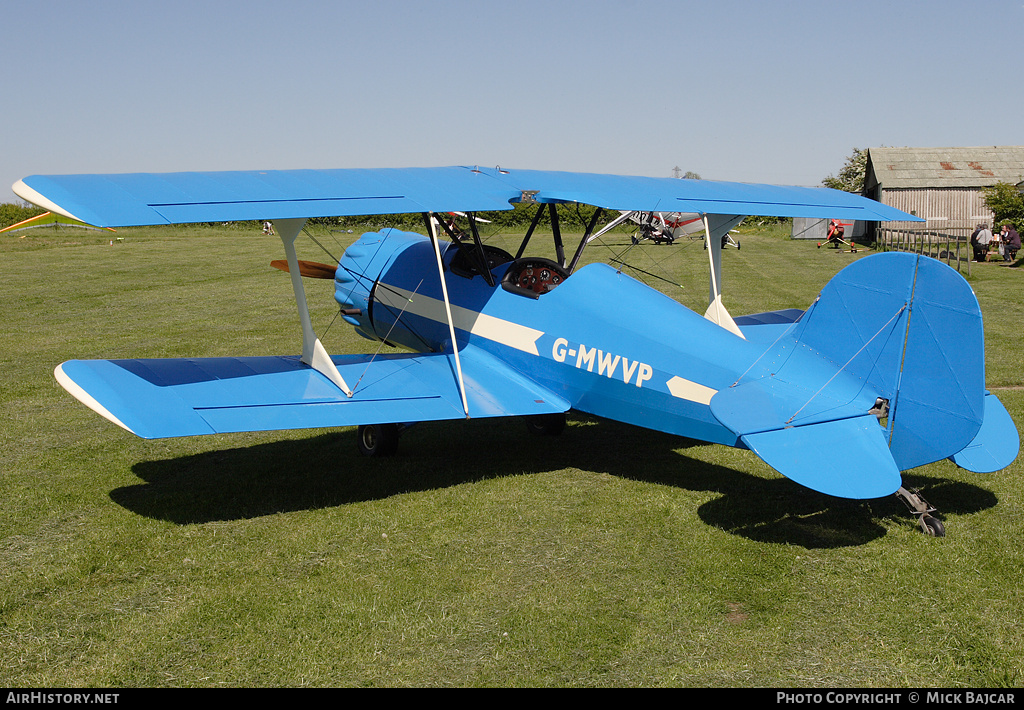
x,y
930,525
378,439
546,424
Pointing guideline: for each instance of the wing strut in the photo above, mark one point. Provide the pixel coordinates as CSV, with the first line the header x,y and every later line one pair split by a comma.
x,y
585,240
476,252
432,230
485,271
715,228
557,232
313,352
611,225
529,232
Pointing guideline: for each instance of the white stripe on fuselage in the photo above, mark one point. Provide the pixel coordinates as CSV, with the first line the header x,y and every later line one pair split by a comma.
x,y
524,338
606,362
690,390
632,372
499,330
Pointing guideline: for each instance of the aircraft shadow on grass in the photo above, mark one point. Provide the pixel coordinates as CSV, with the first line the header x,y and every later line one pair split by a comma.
x,y
325,471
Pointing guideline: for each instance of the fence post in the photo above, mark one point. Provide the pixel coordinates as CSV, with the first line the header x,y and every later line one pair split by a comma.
x,y
926,243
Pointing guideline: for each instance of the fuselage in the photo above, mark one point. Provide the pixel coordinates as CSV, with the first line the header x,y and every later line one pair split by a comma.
x,y
607,343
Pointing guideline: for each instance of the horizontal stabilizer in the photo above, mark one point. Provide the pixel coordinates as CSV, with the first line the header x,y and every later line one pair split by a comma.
x,y
783,317
188,397
996,445
767,327
847,458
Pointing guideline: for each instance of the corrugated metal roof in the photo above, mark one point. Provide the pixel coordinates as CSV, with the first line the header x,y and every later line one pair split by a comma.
x,y
945,167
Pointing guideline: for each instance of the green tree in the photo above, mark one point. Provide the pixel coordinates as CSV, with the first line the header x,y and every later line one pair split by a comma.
x,y
1006,202
12,214
851,177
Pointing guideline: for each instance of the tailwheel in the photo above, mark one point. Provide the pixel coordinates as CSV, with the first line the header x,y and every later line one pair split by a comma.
x,y
378,439
930,525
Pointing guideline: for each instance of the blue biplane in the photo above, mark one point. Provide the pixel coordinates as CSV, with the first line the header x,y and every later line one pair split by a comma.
x,y
886,366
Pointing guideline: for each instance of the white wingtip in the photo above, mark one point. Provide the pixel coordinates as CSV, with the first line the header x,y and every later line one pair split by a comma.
x,y
85,398
31,195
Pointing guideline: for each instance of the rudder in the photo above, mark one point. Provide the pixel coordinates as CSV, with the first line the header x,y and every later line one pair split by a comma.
x,y
911,328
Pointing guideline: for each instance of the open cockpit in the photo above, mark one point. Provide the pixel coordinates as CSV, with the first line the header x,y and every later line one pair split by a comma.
x,y
529,276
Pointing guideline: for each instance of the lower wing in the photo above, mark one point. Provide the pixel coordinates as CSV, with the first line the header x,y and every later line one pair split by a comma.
x,y
186,397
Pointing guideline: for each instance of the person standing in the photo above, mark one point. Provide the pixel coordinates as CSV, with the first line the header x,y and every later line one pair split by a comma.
x,y
980,239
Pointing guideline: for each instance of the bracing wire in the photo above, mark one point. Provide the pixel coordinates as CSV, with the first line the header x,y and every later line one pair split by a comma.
x,y
619,259
877,333
317,242
385,338
782,335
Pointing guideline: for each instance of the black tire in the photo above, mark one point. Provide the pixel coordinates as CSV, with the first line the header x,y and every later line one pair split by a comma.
x,y
932,526
546,424
378,439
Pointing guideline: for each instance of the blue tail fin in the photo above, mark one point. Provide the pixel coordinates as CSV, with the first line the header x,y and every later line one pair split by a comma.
x,y
910,327
883,373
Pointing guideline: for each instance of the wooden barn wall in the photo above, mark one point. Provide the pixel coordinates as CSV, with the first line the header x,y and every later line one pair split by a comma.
x,y
946,208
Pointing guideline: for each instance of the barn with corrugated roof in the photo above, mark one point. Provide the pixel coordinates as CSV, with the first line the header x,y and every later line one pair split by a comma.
x,y
942,185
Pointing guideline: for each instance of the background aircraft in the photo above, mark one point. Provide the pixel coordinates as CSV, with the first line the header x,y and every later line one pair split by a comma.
x,y
663,227
886,366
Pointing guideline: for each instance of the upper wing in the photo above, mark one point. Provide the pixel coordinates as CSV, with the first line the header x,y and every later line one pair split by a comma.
x,y
648,194
136,199
178,198
186,397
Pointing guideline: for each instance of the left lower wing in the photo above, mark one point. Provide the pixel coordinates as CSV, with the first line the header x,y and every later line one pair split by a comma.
x,y
187,397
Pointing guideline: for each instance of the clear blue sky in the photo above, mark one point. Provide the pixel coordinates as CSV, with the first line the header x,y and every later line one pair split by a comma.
x,y
777,92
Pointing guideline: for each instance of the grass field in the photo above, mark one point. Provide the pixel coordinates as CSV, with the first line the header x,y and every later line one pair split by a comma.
x,y
479,555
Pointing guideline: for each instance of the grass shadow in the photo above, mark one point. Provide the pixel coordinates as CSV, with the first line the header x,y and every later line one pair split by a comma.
x,y
325,470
